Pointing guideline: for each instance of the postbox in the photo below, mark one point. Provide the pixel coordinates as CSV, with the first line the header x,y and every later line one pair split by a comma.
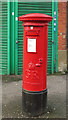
x,y
35,38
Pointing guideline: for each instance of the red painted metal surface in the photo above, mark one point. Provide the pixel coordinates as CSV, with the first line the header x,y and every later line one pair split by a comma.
x,y
35,51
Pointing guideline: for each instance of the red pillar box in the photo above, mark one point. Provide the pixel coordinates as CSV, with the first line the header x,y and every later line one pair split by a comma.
x,y
35,62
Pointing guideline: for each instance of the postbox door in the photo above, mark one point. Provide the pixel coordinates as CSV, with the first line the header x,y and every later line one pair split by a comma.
x,y
34,58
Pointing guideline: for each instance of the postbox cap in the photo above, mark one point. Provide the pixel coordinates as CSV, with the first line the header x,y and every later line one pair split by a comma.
x,y
36,17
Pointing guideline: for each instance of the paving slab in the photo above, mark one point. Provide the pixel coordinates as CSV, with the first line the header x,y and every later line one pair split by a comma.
x,y
56,100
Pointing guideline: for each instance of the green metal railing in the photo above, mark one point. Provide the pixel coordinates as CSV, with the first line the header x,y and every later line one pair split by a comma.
x,y
4,17
52,36
16,37
55,36
12,37
8,11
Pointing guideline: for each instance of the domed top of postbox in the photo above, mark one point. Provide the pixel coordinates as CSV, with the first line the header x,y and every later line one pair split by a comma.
x,y
35,17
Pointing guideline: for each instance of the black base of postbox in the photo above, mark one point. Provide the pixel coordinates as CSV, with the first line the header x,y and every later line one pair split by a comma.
x,y
34,103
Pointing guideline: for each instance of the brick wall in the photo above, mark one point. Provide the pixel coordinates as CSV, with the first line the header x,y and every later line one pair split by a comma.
x,y
62,25
62,36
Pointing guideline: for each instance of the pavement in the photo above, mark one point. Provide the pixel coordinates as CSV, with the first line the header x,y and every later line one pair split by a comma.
x,y
56,100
